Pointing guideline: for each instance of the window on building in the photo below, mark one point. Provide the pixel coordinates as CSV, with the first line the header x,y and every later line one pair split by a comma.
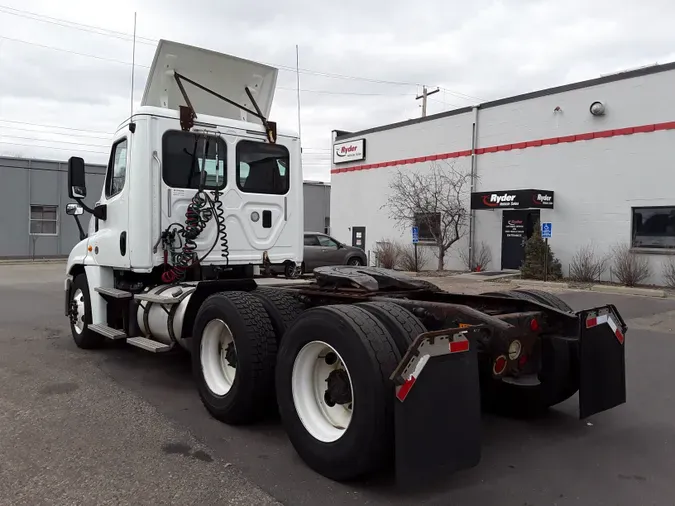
x,y
653,227
180,169
428,224
262,168
44,220
117,169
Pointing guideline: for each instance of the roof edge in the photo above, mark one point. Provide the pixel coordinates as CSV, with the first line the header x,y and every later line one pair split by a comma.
x,y
588,83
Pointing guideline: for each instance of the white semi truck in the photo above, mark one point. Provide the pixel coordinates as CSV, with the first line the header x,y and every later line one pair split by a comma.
x,y
365,366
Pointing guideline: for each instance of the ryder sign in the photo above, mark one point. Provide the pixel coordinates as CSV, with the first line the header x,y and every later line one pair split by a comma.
x,y
349,151
513,199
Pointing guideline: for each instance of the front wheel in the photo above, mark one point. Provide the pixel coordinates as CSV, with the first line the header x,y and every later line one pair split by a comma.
x,y
334,393
80,315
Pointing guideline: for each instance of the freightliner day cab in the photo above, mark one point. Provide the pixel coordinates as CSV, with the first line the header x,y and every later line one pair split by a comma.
x,y
367,368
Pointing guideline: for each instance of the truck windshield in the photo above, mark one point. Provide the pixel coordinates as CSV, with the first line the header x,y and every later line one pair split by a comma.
x,y
262,168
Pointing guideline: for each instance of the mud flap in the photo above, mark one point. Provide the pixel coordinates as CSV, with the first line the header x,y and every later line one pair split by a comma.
x,y
602,376
437,407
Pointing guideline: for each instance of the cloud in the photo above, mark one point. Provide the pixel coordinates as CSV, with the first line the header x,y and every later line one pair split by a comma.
x,y
474,51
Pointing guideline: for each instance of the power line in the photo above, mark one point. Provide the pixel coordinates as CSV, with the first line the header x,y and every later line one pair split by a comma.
x,y
145,40
52,147
72,24
55,126
4,136
113,60
33,130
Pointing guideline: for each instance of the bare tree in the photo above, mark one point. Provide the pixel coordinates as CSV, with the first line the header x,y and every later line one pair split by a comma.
x,y
434,200
587,265
483,257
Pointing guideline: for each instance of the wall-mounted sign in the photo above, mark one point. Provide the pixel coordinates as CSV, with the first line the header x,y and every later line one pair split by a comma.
x,y
513,199
349,151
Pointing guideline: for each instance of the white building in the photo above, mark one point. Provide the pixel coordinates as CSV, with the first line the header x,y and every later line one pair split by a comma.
x,y
603,149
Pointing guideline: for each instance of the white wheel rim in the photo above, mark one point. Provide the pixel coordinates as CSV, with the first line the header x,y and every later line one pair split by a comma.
x,y
309,382
78,299
218,373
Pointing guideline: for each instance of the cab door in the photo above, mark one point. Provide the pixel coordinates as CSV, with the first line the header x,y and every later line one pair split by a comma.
x,y
110,239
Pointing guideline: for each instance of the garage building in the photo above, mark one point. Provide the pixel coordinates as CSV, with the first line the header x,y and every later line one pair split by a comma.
x,y
594,159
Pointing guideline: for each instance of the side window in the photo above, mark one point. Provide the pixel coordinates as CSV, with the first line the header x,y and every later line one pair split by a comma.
x,y
183,157
311,240
262,168
327,242
117,169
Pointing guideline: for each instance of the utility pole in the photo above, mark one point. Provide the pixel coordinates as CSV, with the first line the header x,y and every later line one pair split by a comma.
x,y
424,96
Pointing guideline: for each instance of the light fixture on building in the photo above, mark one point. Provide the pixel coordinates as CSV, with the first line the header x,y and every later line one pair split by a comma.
x,y
597,108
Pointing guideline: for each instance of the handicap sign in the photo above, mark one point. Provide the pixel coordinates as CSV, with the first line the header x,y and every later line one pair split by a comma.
x,y
546,230
415,235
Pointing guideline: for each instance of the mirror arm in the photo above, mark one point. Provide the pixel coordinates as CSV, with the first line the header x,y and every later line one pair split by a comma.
x,y
99,212
83,235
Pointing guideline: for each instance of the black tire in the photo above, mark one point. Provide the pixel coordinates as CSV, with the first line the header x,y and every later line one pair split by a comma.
x,y
370,356
282,307
355,261
401,324
252,391
547,298
86,339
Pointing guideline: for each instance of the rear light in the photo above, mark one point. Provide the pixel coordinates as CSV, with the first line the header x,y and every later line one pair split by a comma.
x,y
534,325
499,365
514,349
522,361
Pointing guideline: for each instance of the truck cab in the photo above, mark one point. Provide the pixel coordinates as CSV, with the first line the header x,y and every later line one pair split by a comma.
x,y
213,171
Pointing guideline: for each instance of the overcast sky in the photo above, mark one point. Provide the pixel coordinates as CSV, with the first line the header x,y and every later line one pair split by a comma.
x,y
362,62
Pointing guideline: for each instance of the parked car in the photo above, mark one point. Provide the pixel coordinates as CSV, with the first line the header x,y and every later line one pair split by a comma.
x,y
322,249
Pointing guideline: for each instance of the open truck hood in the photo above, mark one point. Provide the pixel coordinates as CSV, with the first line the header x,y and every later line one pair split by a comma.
x,y
222,73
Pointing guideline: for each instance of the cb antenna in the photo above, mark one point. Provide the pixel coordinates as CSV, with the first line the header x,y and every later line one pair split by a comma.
x,y
133,65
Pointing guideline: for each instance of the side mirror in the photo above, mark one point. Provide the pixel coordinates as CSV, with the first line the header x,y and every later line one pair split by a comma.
x,y
74,209
340,245
77,187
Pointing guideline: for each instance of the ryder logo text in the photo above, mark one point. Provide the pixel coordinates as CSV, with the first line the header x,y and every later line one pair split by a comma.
x,y
494,200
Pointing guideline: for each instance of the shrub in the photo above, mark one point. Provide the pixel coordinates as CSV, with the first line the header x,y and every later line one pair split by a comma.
x,y
387,253
537,252
482,257
587,265
407,258
669,271
629,267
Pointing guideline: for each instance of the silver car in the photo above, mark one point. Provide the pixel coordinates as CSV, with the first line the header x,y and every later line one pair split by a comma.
x,y
322,249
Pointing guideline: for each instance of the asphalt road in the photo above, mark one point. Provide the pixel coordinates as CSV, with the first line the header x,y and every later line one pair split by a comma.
x,y
122,426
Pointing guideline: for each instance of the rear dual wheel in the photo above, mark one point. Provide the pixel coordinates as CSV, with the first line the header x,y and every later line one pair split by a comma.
x,y
233,357
333,390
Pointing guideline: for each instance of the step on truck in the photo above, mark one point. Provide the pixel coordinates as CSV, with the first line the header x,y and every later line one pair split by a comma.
x,y
367,369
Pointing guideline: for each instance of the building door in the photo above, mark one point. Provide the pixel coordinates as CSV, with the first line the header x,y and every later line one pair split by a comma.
x,y
359,237
517,227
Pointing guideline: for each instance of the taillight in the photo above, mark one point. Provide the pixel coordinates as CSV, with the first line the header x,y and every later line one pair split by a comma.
x,y
534,325
522,361
499,365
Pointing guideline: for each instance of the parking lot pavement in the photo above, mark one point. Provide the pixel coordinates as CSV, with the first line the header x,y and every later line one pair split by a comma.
x,y
121,425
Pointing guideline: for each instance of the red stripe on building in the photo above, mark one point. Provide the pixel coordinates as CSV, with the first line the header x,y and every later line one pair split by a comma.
x,y
603,134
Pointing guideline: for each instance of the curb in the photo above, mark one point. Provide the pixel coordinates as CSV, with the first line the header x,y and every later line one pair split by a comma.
x,y
37,261
618,290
